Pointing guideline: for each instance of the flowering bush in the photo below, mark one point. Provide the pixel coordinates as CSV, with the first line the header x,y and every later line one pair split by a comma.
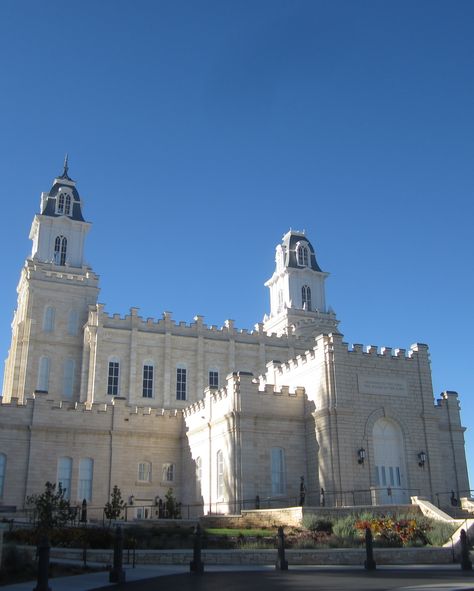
x,y
395,532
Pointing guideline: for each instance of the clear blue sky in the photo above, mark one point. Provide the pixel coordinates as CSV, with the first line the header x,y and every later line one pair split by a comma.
x,y
200,131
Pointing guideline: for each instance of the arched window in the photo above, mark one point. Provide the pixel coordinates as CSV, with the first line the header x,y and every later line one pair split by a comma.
x,y
302,255
278,471
147,390
65,476
220,474
198,476
3,466
168,472
60,250
73,323
306,297
86,472
144,472
68,377
113,377
67,205
389,461
43,374
48,319
60,208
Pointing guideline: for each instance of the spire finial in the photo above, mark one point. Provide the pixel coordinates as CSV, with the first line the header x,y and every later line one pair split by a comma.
x,y
65,174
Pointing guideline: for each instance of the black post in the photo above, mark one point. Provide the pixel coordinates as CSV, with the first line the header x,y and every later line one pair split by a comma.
x,y
322,498
196,565
43,565
369,563
281,563
84,511
466,563
117,574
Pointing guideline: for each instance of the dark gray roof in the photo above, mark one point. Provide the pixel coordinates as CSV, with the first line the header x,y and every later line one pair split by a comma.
x,y
290,241
50,205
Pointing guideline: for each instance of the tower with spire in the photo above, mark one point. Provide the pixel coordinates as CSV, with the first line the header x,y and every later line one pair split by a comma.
x,y
55,289
297,291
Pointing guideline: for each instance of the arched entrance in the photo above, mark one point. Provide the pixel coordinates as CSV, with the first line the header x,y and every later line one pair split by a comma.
x,y
390,467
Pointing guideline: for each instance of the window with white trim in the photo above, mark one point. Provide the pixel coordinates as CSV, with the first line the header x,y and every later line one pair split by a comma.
x,y
65,476
144,472
73,323
213,378
86,473
67,205
3,466
306,297
220,474
68,377
302,256
168,473
48,319
147,389
113,377
181,379
278,471
43,374
60,250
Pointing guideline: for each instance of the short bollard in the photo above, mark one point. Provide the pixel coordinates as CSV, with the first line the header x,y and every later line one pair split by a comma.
x,y
196,565
84,511
369,563
43,565
281,563
466,563
117,574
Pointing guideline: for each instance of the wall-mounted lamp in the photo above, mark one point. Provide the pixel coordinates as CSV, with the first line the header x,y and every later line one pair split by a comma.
x,y
361,455
421,459
131,498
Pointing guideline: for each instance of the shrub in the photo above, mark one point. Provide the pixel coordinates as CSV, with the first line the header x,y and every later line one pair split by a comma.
x,y
16,560
313,523
440,532
344,528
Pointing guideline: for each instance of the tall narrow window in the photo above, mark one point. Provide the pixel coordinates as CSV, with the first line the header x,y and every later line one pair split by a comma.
x,y
278,471
302,256
60,250
3,465
280,300
43,374
48,319
113,377
198,476
147,380
64,476
86,471
73,322
181,383
168,472
61,203
68,378
220,474
67,205
213,378
306,297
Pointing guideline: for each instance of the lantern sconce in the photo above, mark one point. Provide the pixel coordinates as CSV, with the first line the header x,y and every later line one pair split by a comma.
x,y
131,498
422,459
361,455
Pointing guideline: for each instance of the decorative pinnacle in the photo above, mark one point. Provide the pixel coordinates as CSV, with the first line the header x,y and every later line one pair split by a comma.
x,y
66,168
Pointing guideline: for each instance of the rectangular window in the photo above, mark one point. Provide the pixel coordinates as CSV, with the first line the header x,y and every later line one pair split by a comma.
x,y
399,480
73,323
220,474
113,378
392,479
384,477
64,476
86,469
377,478
68,385
213,378
180,383
48,320
43,374
278,471
147,381
168,472
144,471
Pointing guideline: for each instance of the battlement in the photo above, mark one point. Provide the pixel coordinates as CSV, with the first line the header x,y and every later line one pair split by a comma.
x,y
166,324
388,352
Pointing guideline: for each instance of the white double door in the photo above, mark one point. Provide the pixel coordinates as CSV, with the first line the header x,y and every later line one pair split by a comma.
x,y
390,474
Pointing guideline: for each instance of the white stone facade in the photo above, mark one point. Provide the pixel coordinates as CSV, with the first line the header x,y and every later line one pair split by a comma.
x,y
227,418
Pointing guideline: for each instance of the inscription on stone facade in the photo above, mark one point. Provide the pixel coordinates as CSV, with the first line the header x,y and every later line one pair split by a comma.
x,y
382,385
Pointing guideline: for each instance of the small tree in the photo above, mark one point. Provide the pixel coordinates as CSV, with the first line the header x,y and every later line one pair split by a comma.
x,y
51,508
113,508
171,506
